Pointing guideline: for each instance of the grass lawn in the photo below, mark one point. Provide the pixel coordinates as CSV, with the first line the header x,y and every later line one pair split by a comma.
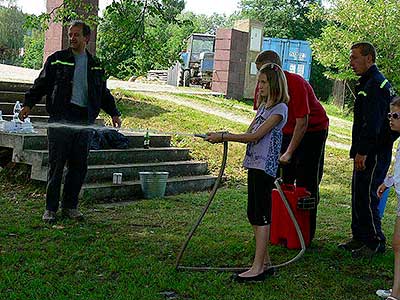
x,y
128,251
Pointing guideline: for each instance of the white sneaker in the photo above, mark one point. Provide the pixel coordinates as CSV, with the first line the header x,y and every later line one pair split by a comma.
x,y
384,293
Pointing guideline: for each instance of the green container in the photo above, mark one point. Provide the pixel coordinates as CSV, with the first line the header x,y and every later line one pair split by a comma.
x,y
153,184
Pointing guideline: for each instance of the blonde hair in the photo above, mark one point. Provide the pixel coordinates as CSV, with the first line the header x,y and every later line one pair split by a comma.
x,y
278,88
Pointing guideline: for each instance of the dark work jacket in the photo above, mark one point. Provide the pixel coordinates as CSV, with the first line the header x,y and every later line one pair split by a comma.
x,y
371,131
56,80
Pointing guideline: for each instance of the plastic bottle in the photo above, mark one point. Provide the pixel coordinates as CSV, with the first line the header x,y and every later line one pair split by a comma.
x,y
16,111
27,126
17,107
1,121
146,140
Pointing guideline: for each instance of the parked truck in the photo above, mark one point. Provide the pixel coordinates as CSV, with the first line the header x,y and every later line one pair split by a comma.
x,y
197,61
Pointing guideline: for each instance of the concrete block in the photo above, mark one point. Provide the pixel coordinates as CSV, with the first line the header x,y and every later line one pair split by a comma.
x,y
222,55
237,57
221,76
223,33
221,65
222,44
220,87
234,78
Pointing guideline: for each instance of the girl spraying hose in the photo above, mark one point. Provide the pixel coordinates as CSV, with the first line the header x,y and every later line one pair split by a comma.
x,y
263,138
394,117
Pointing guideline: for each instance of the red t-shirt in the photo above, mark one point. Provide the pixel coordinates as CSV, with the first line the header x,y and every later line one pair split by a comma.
x,y
302,102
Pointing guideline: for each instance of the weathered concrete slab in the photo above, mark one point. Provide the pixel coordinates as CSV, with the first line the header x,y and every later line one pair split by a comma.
x,y
131,190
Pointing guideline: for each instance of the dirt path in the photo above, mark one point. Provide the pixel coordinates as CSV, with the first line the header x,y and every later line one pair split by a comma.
x,y
163,92
242,119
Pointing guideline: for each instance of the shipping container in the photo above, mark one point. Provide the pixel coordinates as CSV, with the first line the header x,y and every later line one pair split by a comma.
x,y
295,55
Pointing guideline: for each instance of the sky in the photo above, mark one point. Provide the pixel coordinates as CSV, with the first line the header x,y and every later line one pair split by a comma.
x,y
207,7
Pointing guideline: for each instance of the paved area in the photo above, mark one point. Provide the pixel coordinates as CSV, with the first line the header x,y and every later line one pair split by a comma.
x,y
18,74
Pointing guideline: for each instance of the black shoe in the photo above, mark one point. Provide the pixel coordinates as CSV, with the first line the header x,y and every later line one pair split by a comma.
x,y
364,252
49,216
351,245
260,277
381,247
72,213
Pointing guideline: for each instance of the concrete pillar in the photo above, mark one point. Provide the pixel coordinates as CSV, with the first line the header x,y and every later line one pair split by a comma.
x,y
229,62
56,37
255,30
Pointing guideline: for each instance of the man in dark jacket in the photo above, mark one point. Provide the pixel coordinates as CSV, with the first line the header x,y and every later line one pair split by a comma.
x,y
75,89
371,149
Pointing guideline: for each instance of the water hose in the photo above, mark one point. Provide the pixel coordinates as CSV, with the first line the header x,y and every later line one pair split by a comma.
x,y
178,266
277,182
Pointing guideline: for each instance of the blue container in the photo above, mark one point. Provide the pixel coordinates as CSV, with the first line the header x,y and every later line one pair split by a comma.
x,y
296,55
382,202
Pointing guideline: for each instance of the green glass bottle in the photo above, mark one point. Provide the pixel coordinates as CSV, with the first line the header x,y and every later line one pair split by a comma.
x,y
146,140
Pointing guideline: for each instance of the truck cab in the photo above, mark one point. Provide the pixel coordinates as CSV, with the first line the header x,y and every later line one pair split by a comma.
x,y
197,61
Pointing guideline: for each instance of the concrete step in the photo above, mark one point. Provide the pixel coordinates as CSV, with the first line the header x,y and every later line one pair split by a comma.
x,y
131,190
15,86
156,141
8,108
41,122
19,141
101,173
117,156
38,141
184,175
11,97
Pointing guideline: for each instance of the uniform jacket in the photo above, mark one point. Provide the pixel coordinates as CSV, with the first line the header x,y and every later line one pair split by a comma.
x,y
56,80
371,131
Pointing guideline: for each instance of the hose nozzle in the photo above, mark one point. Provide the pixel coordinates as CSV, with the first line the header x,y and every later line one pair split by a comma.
x,y
200,135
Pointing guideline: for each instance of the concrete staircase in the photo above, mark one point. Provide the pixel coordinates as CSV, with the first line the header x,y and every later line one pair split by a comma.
x,y
185,175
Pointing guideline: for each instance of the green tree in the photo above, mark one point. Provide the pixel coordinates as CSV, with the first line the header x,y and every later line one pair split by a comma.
x,y
33,45
127,49
289,19
349,21
67,10
132,33
207,24
282,18
11,33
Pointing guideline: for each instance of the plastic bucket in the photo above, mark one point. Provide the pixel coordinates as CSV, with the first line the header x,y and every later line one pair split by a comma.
x,y
153,184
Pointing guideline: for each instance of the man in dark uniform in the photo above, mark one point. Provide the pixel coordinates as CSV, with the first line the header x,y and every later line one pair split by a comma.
x,y
371,149
75,88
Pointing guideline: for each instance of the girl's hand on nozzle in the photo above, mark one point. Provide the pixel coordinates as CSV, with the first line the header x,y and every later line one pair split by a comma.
x,y
213,137
381,189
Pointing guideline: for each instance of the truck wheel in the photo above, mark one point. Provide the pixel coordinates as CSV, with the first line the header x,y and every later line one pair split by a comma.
x,y
180,78
186,78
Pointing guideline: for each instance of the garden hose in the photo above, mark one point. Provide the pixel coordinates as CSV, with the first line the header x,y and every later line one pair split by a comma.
x,y
277,182
178,266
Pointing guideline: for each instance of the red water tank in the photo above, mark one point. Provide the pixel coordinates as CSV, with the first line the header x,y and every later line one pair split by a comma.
x,y
283,231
